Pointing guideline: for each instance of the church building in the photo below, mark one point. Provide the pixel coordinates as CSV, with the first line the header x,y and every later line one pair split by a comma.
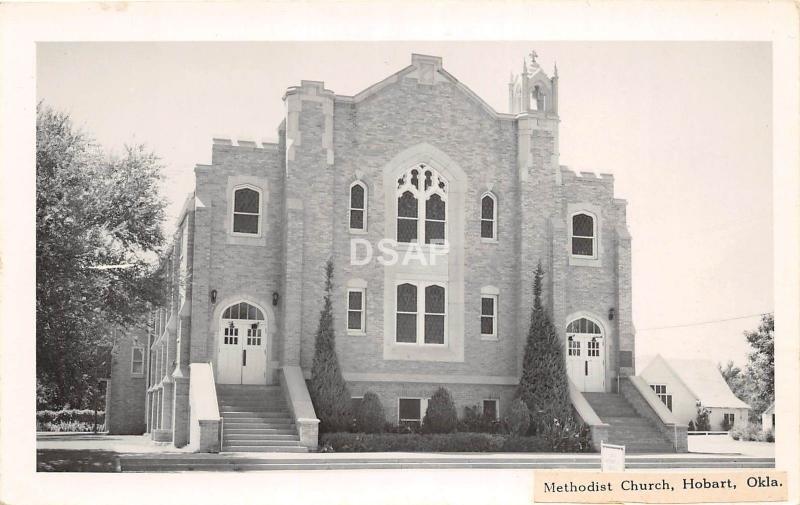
x,y
435,210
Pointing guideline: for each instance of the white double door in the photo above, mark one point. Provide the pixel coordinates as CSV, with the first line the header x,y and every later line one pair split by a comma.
x,y
242,357
586,361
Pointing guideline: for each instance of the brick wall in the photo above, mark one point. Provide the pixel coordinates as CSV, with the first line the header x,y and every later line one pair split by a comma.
x,y
126,410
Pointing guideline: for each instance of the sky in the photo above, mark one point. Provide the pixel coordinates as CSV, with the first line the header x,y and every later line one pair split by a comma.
x,y
685,127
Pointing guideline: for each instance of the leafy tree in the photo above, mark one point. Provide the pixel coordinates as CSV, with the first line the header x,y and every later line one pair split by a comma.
x,y
98,231
441,415
543,385
756,383
761,364
329,392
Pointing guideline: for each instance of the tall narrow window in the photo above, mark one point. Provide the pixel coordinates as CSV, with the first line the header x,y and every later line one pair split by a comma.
x,y
421,206
434,220
488,315
247,211
489,217
407,217
434,314
355,311
358,206
583,235
137,361
407,313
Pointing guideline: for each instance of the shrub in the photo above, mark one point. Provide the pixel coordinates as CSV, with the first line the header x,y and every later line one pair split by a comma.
x,y
441,416
748,432
69,416
769,435
519,418
370,417
444,442
702,423
328,390
691,426
543,384
474,421
570,436
726,424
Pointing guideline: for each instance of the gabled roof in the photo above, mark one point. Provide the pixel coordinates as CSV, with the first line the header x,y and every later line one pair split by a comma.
x,y
703,379
439,74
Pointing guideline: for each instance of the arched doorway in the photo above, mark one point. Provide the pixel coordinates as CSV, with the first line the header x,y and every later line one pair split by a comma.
x,y
586,355
242,341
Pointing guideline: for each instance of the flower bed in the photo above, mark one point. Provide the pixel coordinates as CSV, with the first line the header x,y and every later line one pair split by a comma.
x,y
68,420
415,442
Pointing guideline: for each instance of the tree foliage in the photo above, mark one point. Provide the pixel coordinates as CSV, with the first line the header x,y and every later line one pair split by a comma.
x,y
544,385
370,417
755,384
93,213
329,392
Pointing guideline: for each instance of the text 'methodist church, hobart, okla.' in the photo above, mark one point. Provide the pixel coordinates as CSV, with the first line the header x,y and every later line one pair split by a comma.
x,y
417,158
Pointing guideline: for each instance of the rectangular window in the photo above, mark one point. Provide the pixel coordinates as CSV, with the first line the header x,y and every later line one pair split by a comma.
x,y
246,211
137,361
355,311
661,391
729,418
488,315
574,347
355,403
411,411
428,300
490,409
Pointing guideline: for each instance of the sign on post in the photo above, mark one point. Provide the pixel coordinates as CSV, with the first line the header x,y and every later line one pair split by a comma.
x,y
612,457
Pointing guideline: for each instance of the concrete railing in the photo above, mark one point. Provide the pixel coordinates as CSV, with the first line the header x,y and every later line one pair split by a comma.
x,y
597,427
206,423
299,401
649,405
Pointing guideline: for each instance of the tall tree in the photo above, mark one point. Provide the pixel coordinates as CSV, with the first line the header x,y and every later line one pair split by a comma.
x,y
98,232
543,385
329,392
761,363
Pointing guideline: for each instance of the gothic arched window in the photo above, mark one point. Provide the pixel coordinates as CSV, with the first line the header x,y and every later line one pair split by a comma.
x,y
584,235
421,206
358,206
489,217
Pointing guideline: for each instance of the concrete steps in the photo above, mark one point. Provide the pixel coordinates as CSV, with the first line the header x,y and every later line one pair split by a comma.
x,y
626,426
229,462
255,419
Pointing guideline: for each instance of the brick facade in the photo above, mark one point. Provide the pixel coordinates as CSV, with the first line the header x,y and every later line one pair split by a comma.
x,y
421,114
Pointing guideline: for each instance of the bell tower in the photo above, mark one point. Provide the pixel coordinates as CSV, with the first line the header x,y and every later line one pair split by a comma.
x,y
533,100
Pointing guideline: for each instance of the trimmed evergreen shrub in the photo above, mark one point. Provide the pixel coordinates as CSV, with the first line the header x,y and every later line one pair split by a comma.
x,y
475,421
441,442
544,385
370,417
441,416
691,426
328,390
725,425
519,418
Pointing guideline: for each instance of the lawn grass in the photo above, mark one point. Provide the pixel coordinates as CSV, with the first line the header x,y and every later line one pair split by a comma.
x,y
72,460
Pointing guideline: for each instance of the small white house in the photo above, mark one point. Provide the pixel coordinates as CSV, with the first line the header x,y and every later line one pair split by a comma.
x,y
768,418
685,384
